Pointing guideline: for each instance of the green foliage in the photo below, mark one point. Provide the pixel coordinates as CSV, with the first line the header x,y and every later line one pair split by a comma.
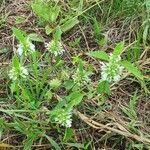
x,y
16,62
118,49
69,24
104,88
50,82
130,111
49,12
100,55
36,37
45,11
53,143
132,69
20,35
68,134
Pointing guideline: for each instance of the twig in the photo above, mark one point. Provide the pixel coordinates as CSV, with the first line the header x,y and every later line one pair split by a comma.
x,y
97,125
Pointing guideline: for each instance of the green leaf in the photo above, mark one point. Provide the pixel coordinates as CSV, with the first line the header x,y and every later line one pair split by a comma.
x,y
45,11
104,87
137,146
53,143
36,37
68,102
29,141
75,98
69,24
20,35
118,49
42,10
100,55
15,62
68,84
130,113
68,134
57,34
49,95
133,101
145,33
97,27
54,13
132,69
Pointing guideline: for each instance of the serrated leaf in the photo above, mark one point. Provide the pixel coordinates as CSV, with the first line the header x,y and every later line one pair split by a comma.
x,y
20,35
69,24
57,34
41,10
68,84
54,13
36,37
118,49
75,98
132,69
99,55
15,62
104,87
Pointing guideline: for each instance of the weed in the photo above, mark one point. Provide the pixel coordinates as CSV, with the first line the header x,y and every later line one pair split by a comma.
x,y
49,87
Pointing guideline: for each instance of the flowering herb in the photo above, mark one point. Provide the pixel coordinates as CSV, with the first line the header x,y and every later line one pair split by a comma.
x,y
17,70
64,118
15,73
112,70
55,47
81,77
26,48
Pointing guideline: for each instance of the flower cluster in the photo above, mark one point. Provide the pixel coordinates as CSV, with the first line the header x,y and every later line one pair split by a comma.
x,y
14,73
64,118
112,70
55,47
81,77
28,47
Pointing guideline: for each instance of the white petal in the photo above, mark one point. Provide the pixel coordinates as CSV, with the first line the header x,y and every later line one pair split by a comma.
x,y
31,46
20,49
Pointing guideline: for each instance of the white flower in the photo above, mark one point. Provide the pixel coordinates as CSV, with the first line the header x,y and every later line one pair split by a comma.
x,y
68,123
12,74
64,118
55,47
28,47
20,49
81,78
112,70
15,73
31,46
23,72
